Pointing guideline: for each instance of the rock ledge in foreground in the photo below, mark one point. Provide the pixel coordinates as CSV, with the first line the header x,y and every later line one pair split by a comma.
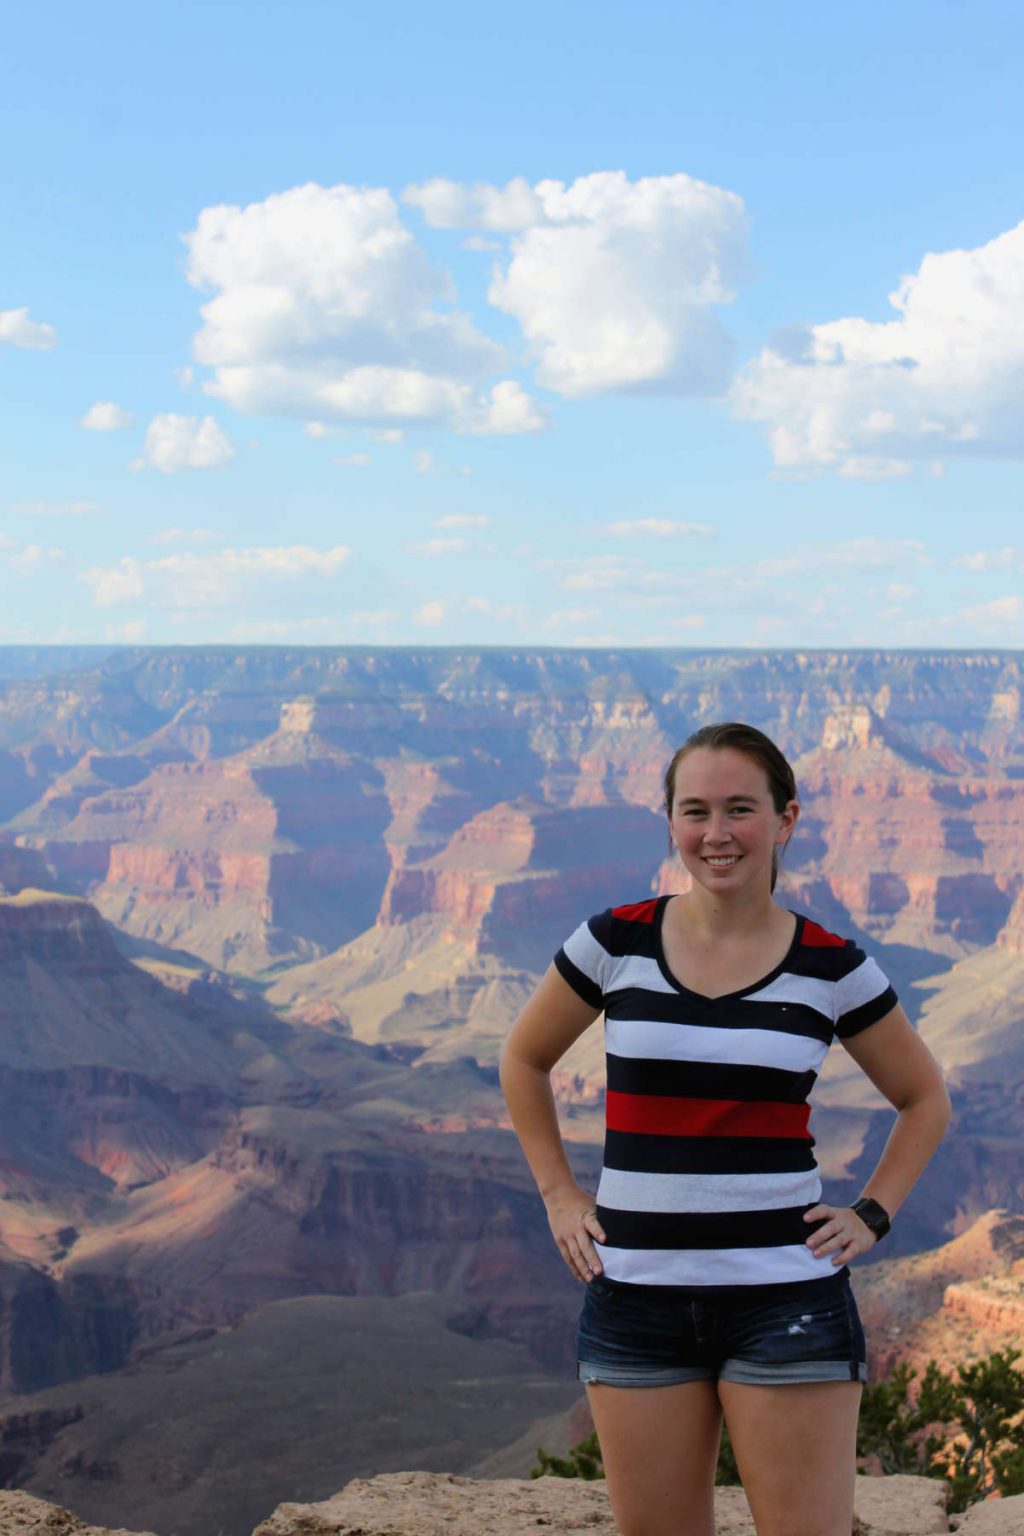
x,y
23,1515
440,1504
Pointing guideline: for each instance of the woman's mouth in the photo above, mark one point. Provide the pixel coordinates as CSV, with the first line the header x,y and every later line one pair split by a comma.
x,y
722,861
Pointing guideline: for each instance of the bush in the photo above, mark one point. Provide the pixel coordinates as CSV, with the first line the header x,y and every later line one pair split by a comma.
x,y
968,1431
584,1460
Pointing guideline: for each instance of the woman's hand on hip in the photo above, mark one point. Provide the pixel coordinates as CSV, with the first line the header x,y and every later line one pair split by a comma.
x,y
842,1233
572,1216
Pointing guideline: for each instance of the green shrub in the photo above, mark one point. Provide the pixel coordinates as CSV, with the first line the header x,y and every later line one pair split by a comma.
x,y
967,1430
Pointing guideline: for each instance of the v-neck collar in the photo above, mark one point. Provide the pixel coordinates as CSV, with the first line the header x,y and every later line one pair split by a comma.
x,y
724,997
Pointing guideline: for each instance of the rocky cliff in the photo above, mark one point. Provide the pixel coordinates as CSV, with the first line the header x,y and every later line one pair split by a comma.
x,y
266,808
432,1504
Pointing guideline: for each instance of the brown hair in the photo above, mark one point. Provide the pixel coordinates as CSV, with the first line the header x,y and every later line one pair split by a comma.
x,y
753,743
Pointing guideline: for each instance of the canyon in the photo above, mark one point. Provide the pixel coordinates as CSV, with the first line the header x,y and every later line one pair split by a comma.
x,y
266,916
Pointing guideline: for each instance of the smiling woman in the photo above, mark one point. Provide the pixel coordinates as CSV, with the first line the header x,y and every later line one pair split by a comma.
x,y
716,1274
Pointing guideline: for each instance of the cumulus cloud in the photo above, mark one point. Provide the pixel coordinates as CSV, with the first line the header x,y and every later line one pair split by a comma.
x,y
612,281
213,579
174,443
17,330
463,520
354,460
432,613
105,416
943,376
659,528
326,307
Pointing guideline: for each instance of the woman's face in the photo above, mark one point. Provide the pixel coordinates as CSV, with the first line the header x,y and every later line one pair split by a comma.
x,y
723,820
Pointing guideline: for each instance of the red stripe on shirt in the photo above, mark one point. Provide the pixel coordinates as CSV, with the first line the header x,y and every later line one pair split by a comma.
x,y
819,937
658,1115
637,912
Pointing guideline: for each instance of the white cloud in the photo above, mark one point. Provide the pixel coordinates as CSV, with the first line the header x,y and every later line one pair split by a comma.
x,y
31,557
863,467
55,508
508,411
450,205
1005,559
213,579
488,609
1000,611
463,520
355,460
612,281
432,613
174,443
105,416
17,330
185,375
129,633
941,377
720,586
326,307
659,528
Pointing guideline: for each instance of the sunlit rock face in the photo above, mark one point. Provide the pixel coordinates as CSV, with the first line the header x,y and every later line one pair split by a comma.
x,y
266,809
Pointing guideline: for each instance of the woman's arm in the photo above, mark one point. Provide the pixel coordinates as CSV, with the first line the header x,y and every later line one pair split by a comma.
x,y
552,1020
896,1059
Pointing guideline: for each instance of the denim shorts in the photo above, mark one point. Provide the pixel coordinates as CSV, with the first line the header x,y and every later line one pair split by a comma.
x,y
654,1336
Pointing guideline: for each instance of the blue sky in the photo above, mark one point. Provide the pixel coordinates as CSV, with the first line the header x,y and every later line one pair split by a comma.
x,y
568,325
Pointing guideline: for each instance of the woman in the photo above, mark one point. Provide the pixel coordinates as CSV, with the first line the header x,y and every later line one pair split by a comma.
x,y
715,1274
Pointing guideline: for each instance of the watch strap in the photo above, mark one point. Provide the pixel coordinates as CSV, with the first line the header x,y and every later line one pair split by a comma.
x,y
873,1215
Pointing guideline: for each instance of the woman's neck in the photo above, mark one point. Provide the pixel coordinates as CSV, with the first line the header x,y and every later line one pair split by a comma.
x,y
724,916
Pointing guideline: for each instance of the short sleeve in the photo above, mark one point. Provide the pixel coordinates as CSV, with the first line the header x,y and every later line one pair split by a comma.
x,y
583,962
863,995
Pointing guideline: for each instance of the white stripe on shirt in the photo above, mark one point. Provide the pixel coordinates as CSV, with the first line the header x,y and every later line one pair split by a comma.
x,y
622,1190
714,1266
650,1040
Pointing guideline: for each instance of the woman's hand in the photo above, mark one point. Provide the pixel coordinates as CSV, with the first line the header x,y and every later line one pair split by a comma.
x,y
843,1234
572,1217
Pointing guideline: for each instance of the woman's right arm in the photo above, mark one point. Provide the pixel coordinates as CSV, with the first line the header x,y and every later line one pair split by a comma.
x,y
552,1020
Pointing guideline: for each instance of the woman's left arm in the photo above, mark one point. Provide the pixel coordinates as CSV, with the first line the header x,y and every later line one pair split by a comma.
x,y
901,1067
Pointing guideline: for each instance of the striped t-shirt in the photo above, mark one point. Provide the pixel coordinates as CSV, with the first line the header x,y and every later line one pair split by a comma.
x,y
708,1160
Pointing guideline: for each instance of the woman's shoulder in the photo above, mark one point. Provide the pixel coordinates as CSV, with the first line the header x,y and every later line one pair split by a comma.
x,y
823,951
621,927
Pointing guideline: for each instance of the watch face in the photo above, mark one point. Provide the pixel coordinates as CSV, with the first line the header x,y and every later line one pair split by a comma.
x,y
872,1215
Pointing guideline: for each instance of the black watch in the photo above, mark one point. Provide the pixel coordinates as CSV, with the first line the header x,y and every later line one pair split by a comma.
x,y
874,1216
